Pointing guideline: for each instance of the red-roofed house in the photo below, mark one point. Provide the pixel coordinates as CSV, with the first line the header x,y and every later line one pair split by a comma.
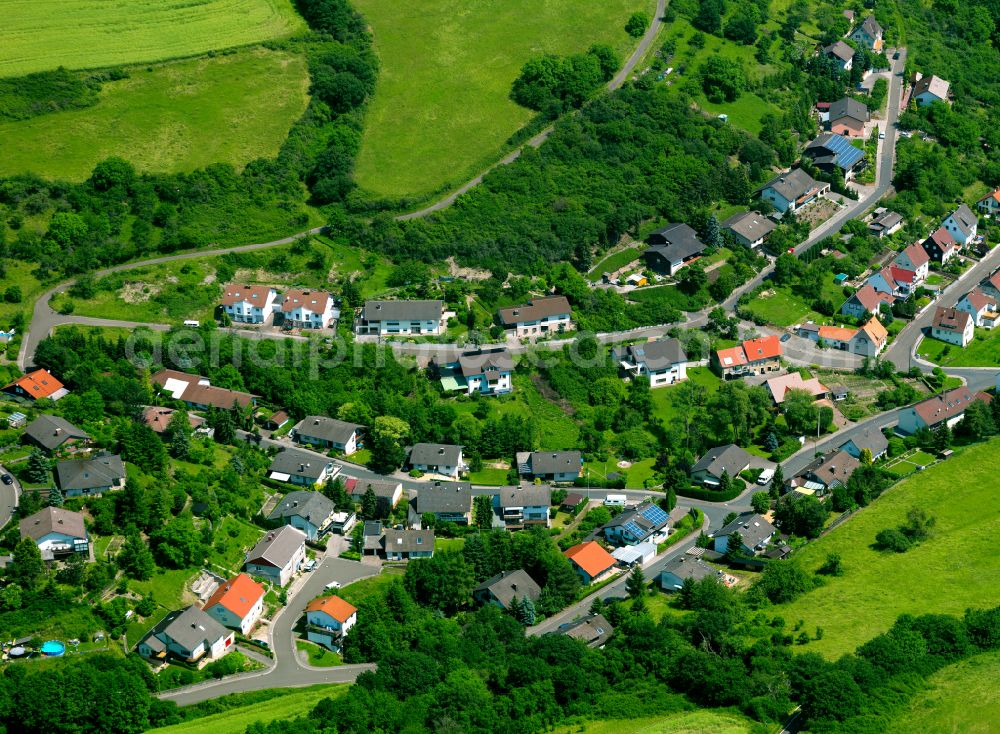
x,y
990,204
892,281
870,339
940,246
948,407
309,309
328,620
752,357
591,561
866,300
237,603
248,304
953,326
36,385
915,259
730,362
982,308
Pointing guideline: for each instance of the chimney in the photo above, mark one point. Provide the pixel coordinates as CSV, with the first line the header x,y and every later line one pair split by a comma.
x,y
513,587
440,452
302,467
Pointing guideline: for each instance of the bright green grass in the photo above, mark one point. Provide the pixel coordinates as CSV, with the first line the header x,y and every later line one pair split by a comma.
x,y
360,590
449,544
167,587
663,397
489,476
235,721
962,698
954,570
177,117
21,274
636,474
37,35
228,551
745,112
318,655
983,351
614,262
784,307
690,722
441,111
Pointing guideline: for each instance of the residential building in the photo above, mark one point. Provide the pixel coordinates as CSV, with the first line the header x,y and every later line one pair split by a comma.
x,y
981,307
680,568
309,309
57,532
158,419
752,357
870,339
868,34
729,459
447,501
754,530
915,259
309,511
482,372
328,620
591,561
88,477
550,466
834,337
929,89
750,229
388,492
507,587
871,439
990,285
940,246
197,392
989,204
189,634
434,458
793,190
278,555
238,603
662,361
406,318
841,53
779,386
848,117
52,432
962,225
302,468
893,281
833,153
402,545
648,521
594,630
635,555
953,326
672,247
524,505
825,473
36,385
547,315
276,420
866,301
946,408
329,433
886,224
248,304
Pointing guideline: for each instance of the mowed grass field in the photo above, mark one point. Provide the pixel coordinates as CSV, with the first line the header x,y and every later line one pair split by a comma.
x,y
689,722
983,351
177,117
441,110
37,35
954,570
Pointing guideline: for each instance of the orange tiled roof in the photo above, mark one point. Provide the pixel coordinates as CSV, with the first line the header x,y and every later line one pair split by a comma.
x,y
732,357
238,595
875,330
837,333
37,384
766,347
591,557
334,606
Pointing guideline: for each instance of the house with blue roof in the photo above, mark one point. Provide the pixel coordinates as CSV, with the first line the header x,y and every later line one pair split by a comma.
x,y
832,152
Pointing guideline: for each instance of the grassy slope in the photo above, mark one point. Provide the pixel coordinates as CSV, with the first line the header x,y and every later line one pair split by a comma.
x,y
21,274
983,351
81,34
693,722
788,306
177,117
946,574
441,110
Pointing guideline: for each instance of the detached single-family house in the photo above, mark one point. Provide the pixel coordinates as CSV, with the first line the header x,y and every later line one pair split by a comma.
x,y
485,372
648,521
278,555
779,386
729,459
506,587
871,439
848,117
825,473
521,506
87,477
870,339
330,433
550,466
309,309
594,630
51,432
248,304
309,511
981,307
328,620
831,152
673,247
953,326
948,407
868,34
989,204
990,285
197,392
57,532
793,190
591,561
940,246
750,229
893,281
436,458
538,316
36,385
446,501
885,224
841,53
754,530
158,419
866,300
189,634
680,568
402,545
915,259
303,468
238,603
388,492
962,225
662,362
929,89
389,318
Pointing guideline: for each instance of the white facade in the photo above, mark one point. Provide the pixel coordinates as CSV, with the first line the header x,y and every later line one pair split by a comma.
x,y
310,310
546,325
227,618
960,235
251,312
480,384
279,575
958,338
53,544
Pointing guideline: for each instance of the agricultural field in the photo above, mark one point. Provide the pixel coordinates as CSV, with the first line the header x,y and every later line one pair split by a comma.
x,y
983,351
441,111
180,116
946,574
690,722
38,35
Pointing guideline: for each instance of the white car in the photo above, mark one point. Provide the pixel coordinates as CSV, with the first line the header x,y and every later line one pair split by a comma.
x,y
765,477
333,585
309,565
881,136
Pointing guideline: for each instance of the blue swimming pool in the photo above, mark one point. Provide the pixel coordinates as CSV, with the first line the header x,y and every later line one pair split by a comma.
x,y
53,648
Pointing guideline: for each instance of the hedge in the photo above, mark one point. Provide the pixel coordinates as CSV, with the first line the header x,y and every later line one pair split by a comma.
x,y
708,495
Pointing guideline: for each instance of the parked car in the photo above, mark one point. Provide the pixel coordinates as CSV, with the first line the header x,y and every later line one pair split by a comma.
x,y
309,565
785,337
881,136
7,479
333,585
765,477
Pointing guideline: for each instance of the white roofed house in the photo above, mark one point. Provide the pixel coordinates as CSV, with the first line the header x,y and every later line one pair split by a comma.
x,y
309,511
57,532
981,306
300,467
750,229
522,506
330,433
248,304
304,308
188,634
662,362
390,318
793,190
443,459
550,466
930,89
278,555
962,225
547,315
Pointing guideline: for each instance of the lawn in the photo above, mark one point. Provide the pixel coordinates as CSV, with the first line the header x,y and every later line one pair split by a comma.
x,y
175,117
233,537
952,571
615,262
689,722
961,698
167,587
489,476
318,655
783,307
449,544
663,397
20,274
360,590
745,112
80,34
636,474
983,351
442,110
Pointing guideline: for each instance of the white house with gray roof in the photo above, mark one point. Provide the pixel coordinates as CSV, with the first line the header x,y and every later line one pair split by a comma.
x,y
394,318
436,458
962,225
86,477
330,433
750,229
729,459
673,247
310,511
663,361
189,634
278,555
793,190
57,532
550,314
550,466
680,568
755,531
519,507
481,372
304,468
447,501
930,89
404,544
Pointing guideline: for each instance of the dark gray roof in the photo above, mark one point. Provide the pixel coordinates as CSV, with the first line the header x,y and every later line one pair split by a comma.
x,y
965,219
299,463
594,630
657,355
886,220
407,541
836,466
381,487
750,225
327,429
849,107
529,496
730,458
444,498
435,454
753,528
481,362
509,584
52,431
315,507
675,242
792,185
277,547
871,439
189,628
555,462
841,50
536,309
53,520
402,310
102,471
871,26
688,567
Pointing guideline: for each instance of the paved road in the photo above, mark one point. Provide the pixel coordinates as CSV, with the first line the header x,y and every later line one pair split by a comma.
x,y
536,141
9,494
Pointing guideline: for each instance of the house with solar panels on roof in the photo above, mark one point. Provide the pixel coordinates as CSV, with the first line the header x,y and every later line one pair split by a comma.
x,y
648,521
831,152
